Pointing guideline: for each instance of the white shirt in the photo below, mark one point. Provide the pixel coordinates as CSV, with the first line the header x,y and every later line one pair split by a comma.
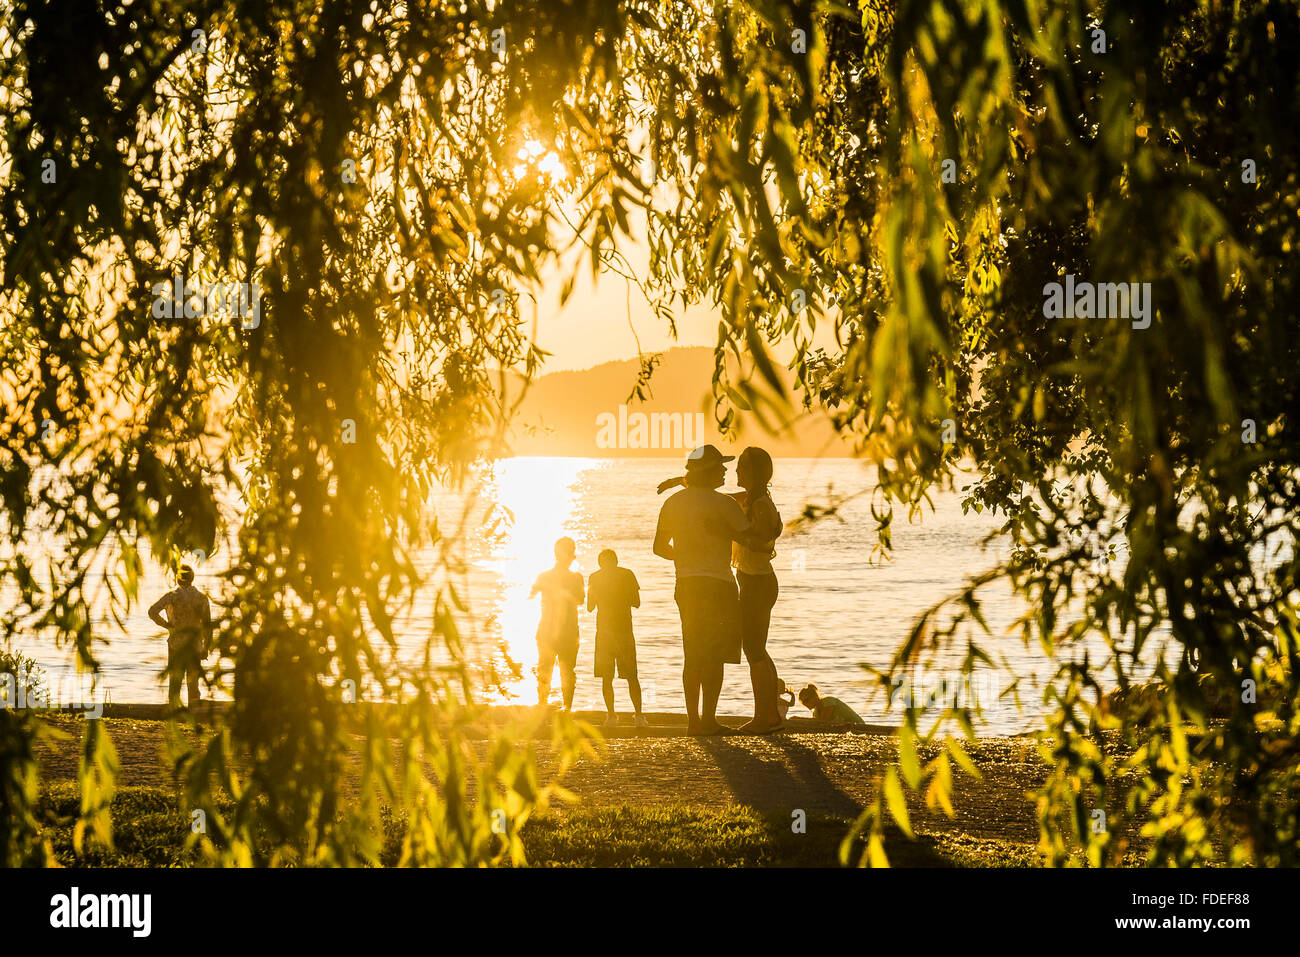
x,y
701,523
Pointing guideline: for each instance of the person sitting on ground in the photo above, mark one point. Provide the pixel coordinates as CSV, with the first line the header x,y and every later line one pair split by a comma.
x,y
557,630
784,698
612,593
826,708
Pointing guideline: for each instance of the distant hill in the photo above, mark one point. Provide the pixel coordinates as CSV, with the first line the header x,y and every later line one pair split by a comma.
x,y
579,414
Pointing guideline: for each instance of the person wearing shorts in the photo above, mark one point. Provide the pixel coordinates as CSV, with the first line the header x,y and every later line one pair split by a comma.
x,y
711,620
612,593
557,630
696,528
188,620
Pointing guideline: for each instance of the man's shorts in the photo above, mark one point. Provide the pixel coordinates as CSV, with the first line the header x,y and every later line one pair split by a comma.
x,y
710,611
615,649
564,650
187,641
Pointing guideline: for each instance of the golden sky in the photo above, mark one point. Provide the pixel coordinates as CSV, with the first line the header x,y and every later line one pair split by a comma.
x,y
593,326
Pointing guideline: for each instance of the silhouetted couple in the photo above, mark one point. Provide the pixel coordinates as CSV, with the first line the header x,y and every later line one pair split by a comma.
x,y
704,532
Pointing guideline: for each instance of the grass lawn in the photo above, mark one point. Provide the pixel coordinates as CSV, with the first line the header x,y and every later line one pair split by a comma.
x,y
150,831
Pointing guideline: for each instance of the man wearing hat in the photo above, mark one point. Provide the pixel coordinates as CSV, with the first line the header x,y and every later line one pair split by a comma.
x,y
696,528
189,632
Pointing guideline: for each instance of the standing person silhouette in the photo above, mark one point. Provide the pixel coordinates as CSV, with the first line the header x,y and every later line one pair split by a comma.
x,y
612,593
557,630
757,582
696,528
758,585
189,633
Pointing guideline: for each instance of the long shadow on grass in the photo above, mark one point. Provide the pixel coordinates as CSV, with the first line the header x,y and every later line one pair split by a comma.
x,y
799,781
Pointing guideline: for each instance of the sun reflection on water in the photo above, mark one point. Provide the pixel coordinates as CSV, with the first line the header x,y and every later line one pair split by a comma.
x,y
542,497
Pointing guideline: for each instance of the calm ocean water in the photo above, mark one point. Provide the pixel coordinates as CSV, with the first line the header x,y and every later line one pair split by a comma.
x,y
837,608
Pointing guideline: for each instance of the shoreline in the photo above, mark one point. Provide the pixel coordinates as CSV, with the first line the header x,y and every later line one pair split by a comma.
x,y
662,723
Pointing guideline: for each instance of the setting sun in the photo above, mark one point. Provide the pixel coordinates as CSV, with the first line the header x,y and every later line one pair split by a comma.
x,y
534,155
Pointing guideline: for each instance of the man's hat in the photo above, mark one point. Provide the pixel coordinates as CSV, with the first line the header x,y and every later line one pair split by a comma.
x,y
706,457
186,574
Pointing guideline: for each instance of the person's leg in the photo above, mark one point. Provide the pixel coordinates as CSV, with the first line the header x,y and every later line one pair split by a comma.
x,y
773,699
625,661
773,712
691,676
752,648
193,671
691,686
757,596
762,675
607,689
568,679
723,644
761,620
545,670
175,669
711,686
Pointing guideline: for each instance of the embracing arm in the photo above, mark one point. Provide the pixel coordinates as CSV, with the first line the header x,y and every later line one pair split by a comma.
x,y
741,530
666,484
751,539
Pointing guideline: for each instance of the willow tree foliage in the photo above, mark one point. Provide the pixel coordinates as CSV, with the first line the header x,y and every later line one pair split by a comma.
x,y
913,175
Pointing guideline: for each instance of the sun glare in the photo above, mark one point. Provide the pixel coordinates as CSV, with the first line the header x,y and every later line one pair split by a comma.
x,y
535,156
543,496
